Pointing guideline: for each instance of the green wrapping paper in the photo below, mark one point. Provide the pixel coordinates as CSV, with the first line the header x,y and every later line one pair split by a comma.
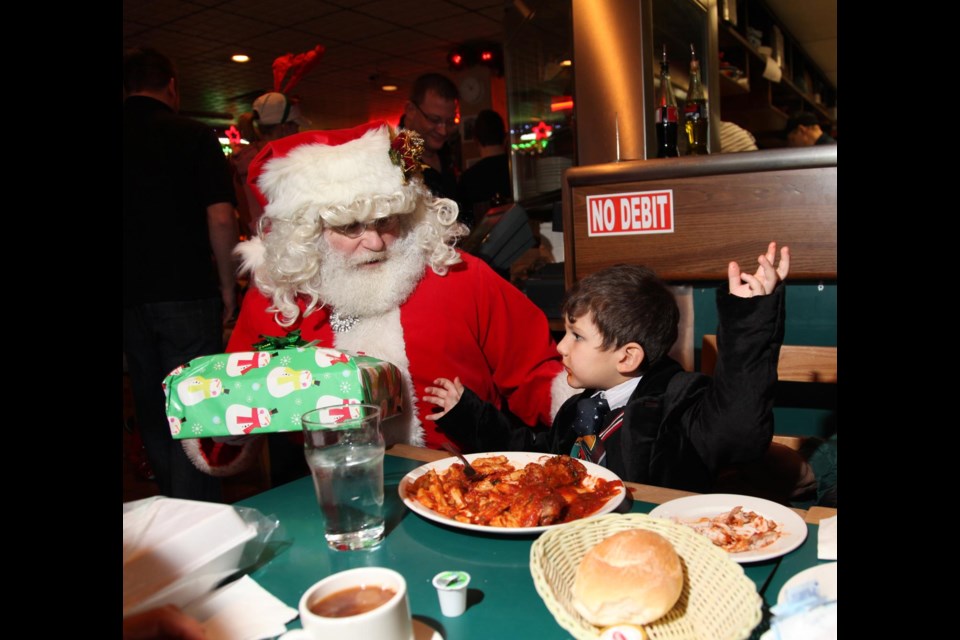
x,y
254,392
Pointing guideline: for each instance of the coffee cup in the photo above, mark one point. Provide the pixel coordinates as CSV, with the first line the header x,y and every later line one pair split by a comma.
x,y
369,602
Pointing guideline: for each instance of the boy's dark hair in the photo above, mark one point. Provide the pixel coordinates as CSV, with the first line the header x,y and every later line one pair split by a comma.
x,y
146,69
629,304
439,84
489,128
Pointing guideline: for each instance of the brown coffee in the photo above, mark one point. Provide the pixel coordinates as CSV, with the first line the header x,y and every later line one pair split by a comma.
x,y
352,602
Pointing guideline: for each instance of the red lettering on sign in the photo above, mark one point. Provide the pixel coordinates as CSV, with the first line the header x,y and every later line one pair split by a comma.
x,y
638,213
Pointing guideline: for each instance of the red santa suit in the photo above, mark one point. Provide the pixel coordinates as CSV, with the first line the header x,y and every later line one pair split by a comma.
x,y
469,323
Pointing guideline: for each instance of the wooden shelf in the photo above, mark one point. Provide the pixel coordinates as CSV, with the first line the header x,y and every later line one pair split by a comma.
x,y
763,106
731,87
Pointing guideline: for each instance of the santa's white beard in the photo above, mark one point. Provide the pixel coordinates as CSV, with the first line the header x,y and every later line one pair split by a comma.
x,y
374,294
352,287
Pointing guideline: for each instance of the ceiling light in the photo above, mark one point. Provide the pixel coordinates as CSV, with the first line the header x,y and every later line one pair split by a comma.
x,y
240,57
566,63
389,87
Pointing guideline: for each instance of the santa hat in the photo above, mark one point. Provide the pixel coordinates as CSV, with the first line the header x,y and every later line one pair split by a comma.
x,y
330,171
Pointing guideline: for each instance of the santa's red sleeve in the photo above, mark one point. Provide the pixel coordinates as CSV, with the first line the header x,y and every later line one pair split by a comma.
x,y
521,352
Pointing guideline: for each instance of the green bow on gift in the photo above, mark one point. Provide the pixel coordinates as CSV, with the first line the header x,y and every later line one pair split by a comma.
x,y
292,339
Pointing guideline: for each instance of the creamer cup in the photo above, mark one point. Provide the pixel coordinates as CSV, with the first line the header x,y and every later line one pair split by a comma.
x,y
451,588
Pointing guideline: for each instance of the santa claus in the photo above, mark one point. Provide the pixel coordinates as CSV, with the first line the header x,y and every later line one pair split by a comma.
x,y
358,255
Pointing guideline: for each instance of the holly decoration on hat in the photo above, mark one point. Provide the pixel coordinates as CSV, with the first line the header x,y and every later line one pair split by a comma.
x,y
405,151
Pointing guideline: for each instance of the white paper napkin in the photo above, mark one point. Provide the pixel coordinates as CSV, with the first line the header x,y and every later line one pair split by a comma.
x,y
827,539
242,610
817,623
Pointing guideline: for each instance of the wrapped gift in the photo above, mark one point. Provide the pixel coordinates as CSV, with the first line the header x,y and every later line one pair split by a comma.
x,y
266,391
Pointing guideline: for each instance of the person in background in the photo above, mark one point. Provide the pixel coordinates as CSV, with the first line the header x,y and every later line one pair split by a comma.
x,y
803,130
487,181
734,138
358,255
431,111
179,231
275,116
640,414
246,127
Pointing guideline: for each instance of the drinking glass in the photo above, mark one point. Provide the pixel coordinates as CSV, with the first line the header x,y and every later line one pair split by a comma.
x,y
344,450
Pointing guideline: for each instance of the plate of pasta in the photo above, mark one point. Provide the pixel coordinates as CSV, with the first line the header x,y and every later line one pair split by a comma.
x,y
749,529
515,493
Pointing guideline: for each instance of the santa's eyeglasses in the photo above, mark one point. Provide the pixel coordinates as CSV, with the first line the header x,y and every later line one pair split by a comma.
x,y
357,229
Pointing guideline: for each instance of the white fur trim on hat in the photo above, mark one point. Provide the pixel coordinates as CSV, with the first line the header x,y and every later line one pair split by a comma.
x,y
320,178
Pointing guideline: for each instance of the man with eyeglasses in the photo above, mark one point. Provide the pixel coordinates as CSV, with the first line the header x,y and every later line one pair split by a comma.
x,y
357,254
431,111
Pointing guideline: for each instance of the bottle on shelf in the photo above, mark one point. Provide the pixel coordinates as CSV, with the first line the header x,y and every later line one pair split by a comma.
x,y
666,114
696,118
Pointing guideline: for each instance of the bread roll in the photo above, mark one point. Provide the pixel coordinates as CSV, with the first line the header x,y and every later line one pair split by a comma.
x,y
631,577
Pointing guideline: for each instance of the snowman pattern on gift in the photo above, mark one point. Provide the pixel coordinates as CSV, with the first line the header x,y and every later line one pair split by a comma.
x,y
338,409
175,424
329,357
282,381
244,362
196,389
242,420
172,374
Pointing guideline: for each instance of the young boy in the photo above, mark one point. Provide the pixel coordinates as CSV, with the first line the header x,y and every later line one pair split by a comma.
x,y
658,424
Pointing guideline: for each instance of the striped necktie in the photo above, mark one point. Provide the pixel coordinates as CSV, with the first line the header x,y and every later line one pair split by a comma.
x,y
587,424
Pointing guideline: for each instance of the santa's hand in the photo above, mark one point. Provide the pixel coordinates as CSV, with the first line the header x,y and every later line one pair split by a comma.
x,y
446,396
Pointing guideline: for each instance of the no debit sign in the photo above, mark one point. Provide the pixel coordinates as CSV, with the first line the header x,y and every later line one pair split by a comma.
x,y
636,213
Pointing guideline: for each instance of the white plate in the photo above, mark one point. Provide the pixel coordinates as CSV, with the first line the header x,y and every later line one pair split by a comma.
x,y
692,508
518,459
824,574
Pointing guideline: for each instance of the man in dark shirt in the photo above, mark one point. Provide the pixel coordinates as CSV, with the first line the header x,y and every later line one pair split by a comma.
x,y
431,111
179,231
803,130
487,181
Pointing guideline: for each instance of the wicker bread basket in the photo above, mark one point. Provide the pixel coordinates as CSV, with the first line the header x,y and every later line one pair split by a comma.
x,y
718,601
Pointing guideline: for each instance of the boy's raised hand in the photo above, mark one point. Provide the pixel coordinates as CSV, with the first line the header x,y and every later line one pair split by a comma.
x,y
445,396
765,280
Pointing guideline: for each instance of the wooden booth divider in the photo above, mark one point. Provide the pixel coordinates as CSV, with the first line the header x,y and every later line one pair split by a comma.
x,y
724,207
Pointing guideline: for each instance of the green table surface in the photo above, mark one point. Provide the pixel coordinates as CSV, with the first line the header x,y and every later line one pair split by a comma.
x,y
502,601
793,563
